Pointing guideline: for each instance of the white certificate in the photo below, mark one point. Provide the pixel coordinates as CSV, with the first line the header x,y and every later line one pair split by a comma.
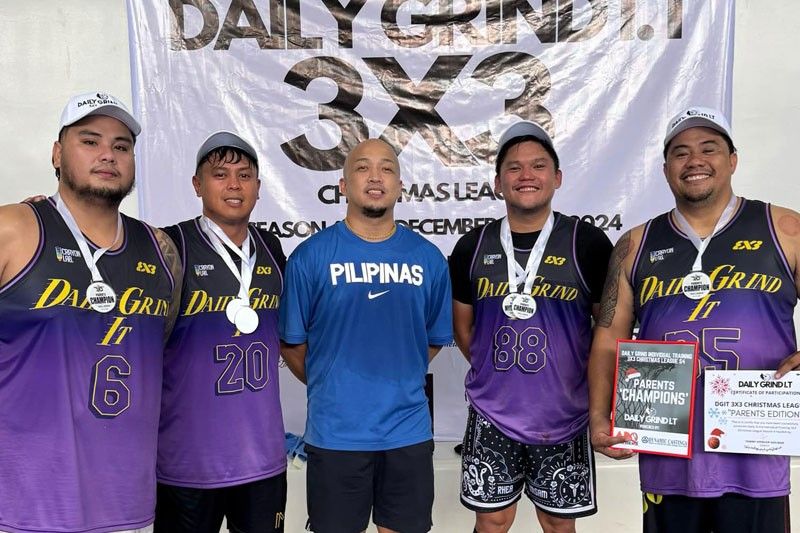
x,y
749,411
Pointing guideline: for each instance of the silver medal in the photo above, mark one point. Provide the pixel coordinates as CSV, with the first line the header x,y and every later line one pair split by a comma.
x,y
101,297
233,307
508,305
696,285
521,305
524,306
246,320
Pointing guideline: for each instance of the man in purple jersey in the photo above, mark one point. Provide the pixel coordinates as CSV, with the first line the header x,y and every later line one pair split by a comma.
x,y
524,292
221,361
84,310
737,326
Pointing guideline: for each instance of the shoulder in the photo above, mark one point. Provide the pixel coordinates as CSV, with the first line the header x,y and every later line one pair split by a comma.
x,y
179,233
268,237
174,233
626,247
313,245
19,239
420,244
461,256
589,234
172,257
271,240
17,217
469,241
165,242
787,221
18,225
273,244
787,230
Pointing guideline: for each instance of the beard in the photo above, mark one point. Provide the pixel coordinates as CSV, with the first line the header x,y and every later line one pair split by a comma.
x,y
108,196
699,197
373,212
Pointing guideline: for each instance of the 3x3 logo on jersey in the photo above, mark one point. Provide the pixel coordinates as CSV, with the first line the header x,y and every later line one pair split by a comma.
x,y
747,245
147,268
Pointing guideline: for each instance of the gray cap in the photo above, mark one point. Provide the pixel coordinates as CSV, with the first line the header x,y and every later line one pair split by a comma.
x,y
523,129
97,103
694,117
224,139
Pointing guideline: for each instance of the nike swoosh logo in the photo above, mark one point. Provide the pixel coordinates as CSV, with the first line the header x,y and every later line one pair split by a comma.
x,y
377,294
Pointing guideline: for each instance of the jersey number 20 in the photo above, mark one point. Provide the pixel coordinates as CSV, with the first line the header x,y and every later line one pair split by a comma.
x,y
244,367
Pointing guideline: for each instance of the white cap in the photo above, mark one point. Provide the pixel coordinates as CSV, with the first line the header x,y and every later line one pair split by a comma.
x,y
97,103
523,129
225,139
694,117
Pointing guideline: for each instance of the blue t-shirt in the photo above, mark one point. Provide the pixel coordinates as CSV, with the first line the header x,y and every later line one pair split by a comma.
x,y
368,312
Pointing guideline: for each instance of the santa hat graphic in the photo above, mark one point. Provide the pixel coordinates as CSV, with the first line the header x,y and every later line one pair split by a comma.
x,y
717,432
632,373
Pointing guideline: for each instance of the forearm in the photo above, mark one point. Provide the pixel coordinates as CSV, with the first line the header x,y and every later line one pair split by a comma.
x,y
463,339
295,357
601,375
463,325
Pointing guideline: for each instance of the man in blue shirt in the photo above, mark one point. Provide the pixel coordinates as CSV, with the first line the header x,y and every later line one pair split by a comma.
x,y
367,305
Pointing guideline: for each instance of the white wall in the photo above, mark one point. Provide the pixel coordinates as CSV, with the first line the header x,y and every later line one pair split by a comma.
x,y
48,52
51,50
766,109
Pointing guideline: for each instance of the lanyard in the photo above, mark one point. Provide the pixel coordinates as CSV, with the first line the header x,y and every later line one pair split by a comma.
x,y
218,238
515,270
702,244
88,257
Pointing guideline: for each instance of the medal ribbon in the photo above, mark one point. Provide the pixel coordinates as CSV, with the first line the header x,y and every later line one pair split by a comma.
x,y
515,271
218,238
702,244
89,258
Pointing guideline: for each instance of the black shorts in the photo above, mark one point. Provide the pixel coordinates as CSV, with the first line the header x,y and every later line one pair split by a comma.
x,y
253,507
729,513
343,487
558,478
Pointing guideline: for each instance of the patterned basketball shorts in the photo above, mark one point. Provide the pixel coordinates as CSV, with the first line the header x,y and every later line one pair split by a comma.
x,y
559,478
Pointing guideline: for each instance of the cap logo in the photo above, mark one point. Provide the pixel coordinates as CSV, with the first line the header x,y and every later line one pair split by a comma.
x,y
676,122
102,99
694,113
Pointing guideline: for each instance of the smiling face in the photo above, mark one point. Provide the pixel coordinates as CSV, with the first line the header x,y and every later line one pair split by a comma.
x,y
699,166
371,181
94,159
227,182
527,178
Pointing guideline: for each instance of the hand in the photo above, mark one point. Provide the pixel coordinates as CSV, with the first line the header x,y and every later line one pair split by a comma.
x,y
790,363
602,442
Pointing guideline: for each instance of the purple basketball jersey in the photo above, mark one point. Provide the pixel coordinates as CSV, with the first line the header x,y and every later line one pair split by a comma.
x,y
221,421
528,377
80,390
745,323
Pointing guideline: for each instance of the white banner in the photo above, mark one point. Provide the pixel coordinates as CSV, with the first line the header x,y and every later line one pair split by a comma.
x,y
439,80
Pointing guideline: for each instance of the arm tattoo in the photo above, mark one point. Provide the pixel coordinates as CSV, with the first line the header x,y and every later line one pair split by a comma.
x,y
608,303
170,253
